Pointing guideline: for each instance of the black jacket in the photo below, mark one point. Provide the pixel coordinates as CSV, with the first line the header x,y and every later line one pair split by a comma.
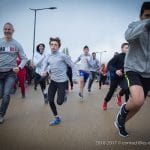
x,y
116,63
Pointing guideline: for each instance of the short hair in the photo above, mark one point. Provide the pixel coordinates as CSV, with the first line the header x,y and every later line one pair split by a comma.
x,y
57,39
124,44
37,47
94,53
145,6
85,47
10,24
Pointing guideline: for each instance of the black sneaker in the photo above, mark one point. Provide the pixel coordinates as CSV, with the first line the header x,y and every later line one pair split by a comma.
x,y
65,98
23,96
45,98
80,95
89,90
122,130
1,119
120,121
121,116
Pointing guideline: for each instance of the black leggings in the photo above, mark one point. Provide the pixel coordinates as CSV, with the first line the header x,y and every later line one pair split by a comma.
x,y
126,93
40,80
113,86
91,79
60,88
69,74
102,80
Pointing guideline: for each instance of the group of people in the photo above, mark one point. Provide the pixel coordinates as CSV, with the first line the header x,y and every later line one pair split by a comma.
x,y
130,69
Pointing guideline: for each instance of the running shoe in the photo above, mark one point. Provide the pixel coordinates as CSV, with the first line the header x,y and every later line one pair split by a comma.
x,y
55,122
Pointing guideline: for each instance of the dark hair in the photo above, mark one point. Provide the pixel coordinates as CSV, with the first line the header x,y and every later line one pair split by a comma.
x,y
93,53
57,39
37,47
145,6
85,47
124,44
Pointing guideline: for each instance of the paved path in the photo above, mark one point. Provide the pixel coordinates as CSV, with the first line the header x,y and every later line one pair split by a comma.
x,y
84,125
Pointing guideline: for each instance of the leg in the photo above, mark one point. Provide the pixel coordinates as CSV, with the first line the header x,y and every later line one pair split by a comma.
x,y
51,95
1,88
133,105
61,92
91,79
9,81
21,78
36,80
81,84
113,86
100,81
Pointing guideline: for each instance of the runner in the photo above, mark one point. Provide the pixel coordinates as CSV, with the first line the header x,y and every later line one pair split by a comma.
x,y
84,70
39,68
116,68
56,65
9,50
137,67
94,66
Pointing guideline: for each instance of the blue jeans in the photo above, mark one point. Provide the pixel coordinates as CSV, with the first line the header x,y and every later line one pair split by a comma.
x,y
7,80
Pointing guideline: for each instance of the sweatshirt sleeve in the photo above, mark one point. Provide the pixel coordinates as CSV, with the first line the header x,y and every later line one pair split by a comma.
x,y
78,59
68,61
22,56
112,63
38,60
46,65
135,29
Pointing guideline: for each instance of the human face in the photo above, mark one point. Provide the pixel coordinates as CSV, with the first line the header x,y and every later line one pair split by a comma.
x,y
54,46
94,55
86,51
41,49
145,15
125,49
8,31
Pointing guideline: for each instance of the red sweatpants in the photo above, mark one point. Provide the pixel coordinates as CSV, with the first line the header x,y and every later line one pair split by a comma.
x,y
21,78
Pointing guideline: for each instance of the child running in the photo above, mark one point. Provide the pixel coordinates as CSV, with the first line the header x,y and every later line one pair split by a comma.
x,y
84,70
56,65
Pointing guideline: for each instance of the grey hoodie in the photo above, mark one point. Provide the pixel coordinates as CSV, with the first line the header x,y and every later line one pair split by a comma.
x,y
56,65
138,56
8,55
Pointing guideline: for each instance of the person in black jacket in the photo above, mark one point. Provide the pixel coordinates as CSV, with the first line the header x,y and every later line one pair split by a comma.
x,y
116,68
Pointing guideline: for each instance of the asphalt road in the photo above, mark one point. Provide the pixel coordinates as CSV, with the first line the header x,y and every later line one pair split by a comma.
x,y
84,125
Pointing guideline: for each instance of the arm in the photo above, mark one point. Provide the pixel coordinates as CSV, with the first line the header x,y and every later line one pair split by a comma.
x,y
68,61
112,63
46,65
89,62
38,60
23,57
135,29
78,59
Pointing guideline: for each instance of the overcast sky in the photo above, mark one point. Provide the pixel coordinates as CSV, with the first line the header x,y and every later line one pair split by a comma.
x,y
100,24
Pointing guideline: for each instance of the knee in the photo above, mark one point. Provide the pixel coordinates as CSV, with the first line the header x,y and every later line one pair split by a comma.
x,y
6,98
138,102
60,102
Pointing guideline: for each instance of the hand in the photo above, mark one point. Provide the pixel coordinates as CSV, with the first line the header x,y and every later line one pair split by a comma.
x,y
44,74
16,69
119,72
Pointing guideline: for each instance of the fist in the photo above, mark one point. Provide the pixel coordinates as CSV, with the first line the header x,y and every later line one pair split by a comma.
x,y
16,69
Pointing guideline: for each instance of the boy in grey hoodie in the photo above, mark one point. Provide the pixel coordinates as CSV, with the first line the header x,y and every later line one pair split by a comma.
x,y
56,64
137,67
9,50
